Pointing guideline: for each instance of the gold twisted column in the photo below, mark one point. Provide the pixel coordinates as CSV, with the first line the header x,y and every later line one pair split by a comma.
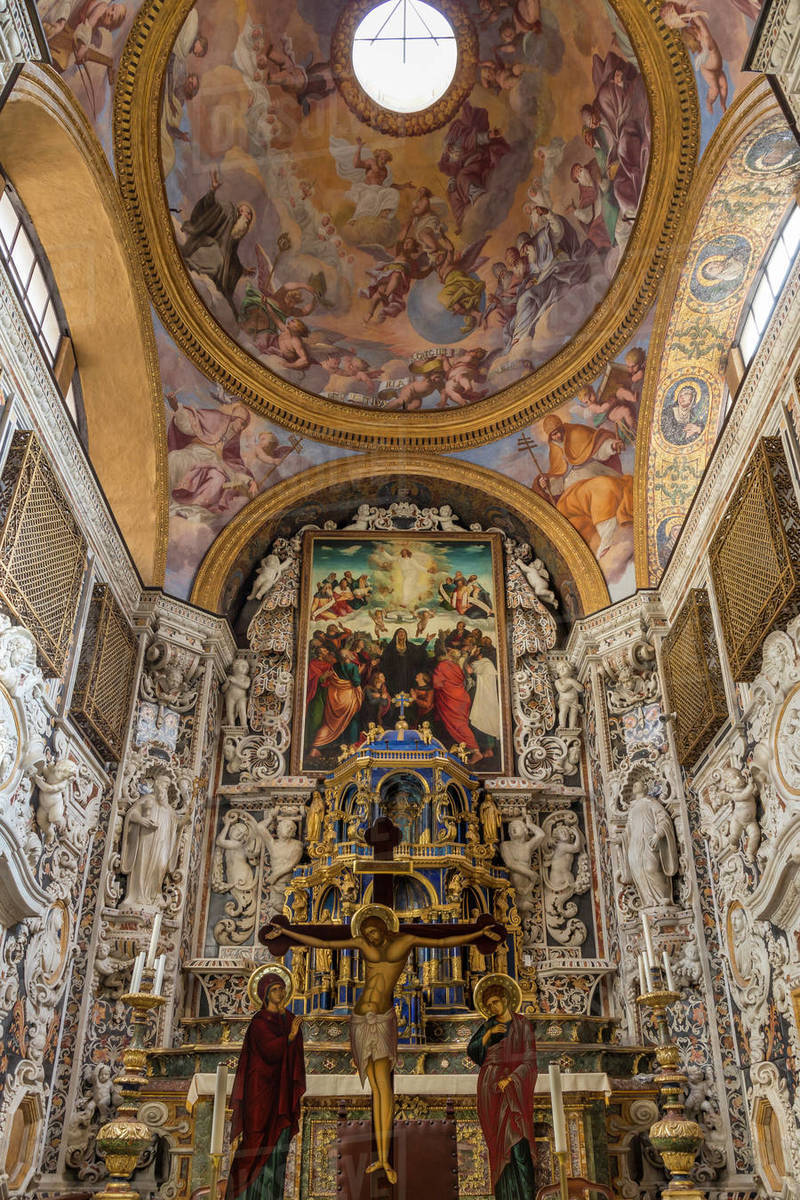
x,y
122,1139
677,1138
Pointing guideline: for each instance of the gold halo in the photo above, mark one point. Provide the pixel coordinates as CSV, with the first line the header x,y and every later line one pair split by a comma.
x,y
510,987
268,969
380,911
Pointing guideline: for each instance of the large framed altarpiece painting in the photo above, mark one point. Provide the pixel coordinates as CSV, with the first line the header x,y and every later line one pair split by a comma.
x,y
391,615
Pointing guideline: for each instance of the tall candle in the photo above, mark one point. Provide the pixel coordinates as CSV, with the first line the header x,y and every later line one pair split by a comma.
x,y
648,974
161,963
642,976
154,936
138,968
557,1105
668,971
220,1100
648,941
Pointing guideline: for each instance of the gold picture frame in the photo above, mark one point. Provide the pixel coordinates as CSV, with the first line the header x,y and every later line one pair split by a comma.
x,y
408,600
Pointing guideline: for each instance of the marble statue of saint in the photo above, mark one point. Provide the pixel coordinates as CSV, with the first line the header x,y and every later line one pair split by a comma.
x,y
150,844
650,848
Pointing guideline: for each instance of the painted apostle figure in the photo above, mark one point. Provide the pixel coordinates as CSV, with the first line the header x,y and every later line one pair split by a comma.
x,y
505,1050
269,1085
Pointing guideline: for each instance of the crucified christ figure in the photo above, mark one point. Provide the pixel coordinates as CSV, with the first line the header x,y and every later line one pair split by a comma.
x,y
384,946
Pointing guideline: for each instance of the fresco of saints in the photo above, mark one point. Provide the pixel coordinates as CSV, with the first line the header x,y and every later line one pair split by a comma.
x,y
213,233
585,481
505,1050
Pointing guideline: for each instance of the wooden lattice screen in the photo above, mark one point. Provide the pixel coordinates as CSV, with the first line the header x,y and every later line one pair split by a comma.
x,y
694,676
42,551
755,557
102,697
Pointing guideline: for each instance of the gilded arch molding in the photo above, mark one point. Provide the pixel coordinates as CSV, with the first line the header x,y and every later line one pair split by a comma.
x,y
675,132
690,342
532,509
62,175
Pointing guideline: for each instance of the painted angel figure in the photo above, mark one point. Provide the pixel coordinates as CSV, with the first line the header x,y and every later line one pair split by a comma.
x,y
266,307
372,189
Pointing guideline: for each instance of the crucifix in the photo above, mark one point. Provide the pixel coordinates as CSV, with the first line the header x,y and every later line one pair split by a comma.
x,y
384,944
401,700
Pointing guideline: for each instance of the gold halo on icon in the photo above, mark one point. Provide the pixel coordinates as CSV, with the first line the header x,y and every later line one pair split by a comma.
x,y
268,969
489,982
380,911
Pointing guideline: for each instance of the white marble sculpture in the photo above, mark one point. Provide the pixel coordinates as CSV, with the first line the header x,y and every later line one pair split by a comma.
x,y
235,690
649,848
285,851
524,837
150,843
569,691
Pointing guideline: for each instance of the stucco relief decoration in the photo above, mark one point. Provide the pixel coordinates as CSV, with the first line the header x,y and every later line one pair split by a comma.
x,y
25,725
787,742
566,873
545,750
252,863
632,674
749,971
769,1087
772,724
259,691
234,873
170,678
650,866
155,806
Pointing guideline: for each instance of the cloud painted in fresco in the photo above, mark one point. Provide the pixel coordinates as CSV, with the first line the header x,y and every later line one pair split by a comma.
x,y
524,455
214,469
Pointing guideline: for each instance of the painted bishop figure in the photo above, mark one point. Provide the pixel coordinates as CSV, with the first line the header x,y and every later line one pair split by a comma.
x,y
384,945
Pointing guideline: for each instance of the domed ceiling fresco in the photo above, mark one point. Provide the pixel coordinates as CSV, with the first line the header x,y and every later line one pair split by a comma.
x,y
491,277
406,273
369,277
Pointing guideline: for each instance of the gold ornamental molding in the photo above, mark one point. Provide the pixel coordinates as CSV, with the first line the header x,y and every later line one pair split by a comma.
x,y
749,109
672,95
532,509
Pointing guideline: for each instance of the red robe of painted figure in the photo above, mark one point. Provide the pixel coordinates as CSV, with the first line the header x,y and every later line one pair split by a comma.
x,y
451,702
269,1084
506,1115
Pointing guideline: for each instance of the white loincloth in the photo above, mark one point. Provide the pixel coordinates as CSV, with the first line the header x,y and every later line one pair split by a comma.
x,y
373,1036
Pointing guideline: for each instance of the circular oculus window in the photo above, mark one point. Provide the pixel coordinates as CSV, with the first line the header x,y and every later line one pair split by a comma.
x,y
404,66
405,55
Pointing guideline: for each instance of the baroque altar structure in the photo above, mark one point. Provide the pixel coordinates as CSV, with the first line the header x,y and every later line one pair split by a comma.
x,y
400,514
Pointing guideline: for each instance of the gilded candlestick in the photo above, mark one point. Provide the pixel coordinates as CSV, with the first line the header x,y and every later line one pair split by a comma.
x,y
677,1138
122,1139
